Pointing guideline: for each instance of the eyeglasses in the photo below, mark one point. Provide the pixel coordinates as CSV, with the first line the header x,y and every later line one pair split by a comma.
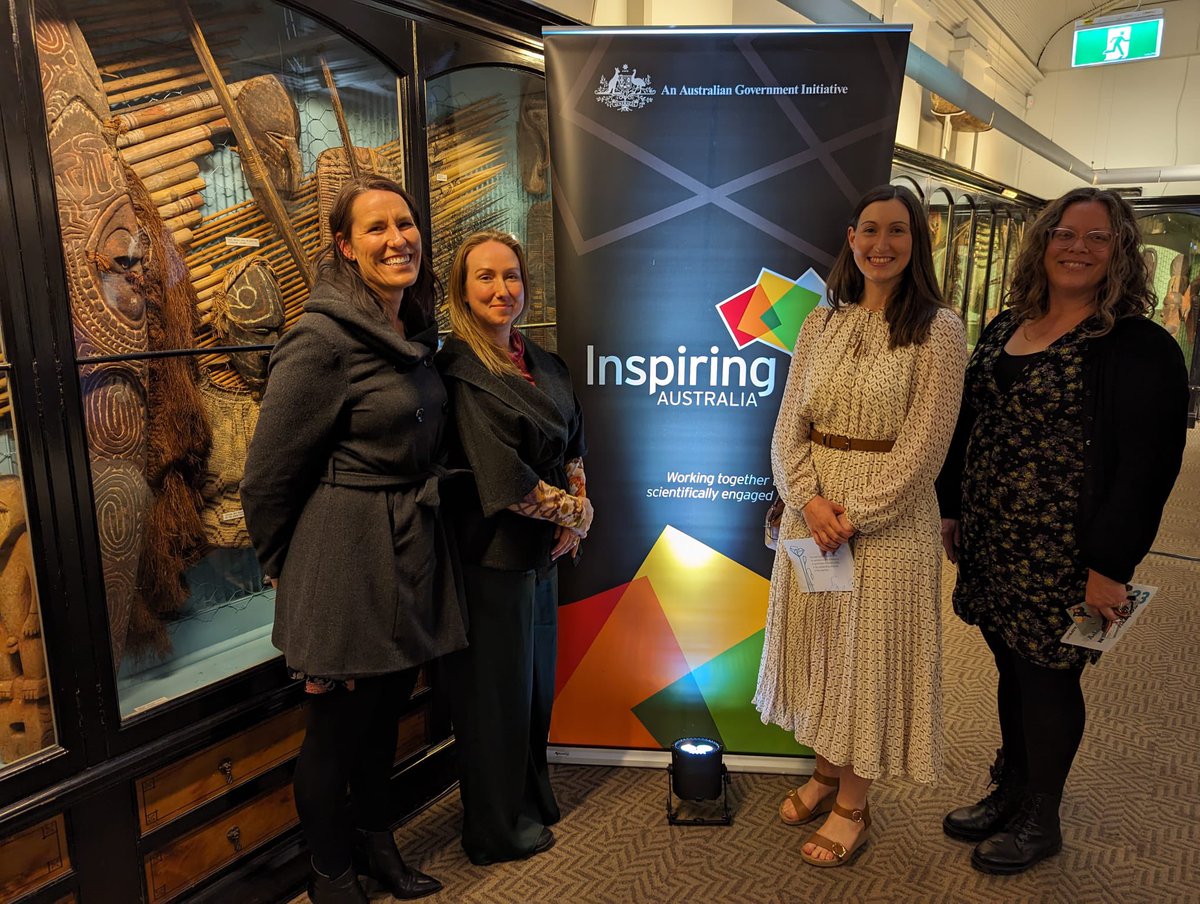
x,y
1095,240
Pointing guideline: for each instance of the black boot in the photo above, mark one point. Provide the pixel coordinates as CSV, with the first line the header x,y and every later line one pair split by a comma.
x,y
990,815
375,855
1032,835
342,890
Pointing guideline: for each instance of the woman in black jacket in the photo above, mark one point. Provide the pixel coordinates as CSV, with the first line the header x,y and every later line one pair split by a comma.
x,y
520,431
341,500
1069,440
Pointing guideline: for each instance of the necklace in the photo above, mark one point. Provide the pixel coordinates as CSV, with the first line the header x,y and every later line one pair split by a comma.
x,y
1085,314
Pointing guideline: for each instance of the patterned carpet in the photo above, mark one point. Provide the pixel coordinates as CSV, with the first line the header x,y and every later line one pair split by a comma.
x,y
1130,811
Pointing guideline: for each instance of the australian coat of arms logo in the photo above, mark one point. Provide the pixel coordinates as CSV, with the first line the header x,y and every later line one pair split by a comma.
x,y
625,90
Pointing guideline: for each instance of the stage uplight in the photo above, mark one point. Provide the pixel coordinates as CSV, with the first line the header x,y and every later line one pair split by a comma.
x,y
697,773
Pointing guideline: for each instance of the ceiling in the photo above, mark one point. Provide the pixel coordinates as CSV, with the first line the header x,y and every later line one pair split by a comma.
x,y
1032,23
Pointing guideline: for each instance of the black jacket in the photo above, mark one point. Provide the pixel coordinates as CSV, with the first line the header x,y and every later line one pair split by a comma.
x,y
511,435
1134,427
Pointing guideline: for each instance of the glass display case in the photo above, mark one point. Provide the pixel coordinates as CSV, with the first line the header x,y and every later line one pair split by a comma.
x,y
1172,251
961,244
976,228
166,169
489,168
189,238
26,711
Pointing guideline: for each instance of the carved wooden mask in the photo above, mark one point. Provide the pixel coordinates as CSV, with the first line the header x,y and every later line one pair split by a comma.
x,y
274,124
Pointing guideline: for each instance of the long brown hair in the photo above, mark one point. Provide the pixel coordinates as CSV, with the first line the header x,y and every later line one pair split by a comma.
x,y
420,299
1125,291
462,322
910,311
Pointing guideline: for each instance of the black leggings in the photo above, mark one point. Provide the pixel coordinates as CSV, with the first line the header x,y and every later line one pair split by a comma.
x,y
350,740
1041,717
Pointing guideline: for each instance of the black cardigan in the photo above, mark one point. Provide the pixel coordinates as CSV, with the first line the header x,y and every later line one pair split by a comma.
x,y
1134,427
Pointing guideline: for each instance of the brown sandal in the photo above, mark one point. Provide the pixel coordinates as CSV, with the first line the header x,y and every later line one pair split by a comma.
x,y
803,813
842,855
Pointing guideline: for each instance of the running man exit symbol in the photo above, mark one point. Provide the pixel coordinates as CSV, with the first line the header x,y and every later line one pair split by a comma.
x,y
1118,43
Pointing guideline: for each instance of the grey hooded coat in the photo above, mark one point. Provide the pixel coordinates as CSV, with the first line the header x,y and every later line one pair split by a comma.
x,y
341,495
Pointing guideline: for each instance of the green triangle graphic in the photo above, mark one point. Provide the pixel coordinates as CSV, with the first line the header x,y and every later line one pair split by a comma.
x,y
727,683
677,711
786,316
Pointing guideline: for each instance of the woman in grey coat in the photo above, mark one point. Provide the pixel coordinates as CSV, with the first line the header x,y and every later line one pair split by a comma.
x,y
341,500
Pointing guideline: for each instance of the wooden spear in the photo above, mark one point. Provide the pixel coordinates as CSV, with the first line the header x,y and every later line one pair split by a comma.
x,y
340,115
252,164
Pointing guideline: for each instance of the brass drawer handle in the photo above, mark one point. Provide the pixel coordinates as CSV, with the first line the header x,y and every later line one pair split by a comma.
x,y
235,838
225,767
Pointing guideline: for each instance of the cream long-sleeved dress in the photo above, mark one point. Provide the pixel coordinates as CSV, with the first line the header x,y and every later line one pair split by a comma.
x,y
856,675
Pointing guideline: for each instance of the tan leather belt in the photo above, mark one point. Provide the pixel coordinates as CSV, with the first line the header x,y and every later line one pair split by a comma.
x,y
849,443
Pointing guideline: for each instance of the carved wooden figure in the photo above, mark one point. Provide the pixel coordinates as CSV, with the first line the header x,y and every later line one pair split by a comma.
x,y
247,311
26,725
105,261
533,137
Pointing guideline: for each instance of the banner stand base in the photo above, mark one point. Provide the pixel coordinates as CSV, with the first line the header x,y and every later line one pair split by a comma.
x,y
660,759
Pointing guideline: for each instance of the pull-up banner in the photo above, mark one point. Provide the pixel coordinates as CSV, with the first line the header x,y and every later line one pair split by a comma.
x,y
703,179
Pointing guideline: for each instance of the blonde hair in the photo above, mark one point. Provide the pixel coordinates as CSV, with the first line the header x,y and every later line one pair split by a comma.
x,y
463,323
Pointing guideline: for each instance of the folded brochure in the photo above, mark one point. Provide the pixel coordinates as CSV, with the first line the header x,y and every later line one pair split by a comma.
x,y
818,572
1091,630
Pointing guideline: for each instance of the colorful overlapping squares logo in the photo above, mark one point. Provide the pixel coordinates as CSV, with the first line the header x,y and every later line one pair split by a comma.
x,y
772,310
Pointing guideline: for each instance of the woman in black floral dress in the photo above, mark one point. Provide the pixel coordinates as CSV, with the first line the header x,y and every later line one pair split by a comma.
x,y
1068,443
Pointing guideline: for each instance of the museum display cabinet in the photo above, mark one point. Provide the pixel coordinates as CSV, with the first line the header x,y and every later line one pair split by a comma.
x,y
1171,234
976,225
165,171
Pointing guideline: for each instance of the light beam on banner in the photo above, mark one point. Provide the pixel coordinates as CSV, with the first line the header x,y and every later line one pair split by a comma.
x,y
702,180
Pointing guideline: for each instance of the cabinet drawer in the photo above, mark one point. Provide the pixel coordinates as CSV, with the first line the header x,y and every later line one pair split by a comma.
x,y
203,851
31,858
413,734
181,787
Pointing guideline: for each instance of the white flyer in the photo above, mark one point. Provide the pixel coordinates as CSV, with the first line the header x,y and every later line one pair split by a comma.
x,y
819,572
1091,630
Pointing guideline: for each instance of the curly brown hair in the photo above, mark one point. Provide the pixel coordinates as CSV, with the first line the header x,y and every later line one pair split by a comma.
x,y
1126,290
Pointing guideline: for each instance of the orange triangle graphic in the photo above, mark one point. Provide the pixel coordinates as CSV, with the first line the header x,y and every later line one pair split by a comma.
x,y
634,656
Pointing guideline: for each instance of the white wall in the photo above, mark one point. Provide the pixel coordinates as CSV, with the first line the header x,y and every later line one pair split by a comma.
x,y
608,12
1127,114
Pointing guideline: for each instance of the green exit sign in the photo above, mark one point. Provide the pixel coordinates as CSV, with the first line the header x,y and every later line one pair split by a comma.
x,y
1118,39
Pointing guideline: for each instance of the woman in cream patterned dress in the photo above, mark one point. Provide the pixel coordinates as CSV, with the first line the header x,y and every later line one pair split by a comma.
x,y
866,418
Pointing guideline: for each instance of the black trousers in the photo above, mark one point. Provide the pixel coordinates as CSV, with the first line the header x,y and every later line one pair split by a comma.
x,y
1041,717
503,690
350,741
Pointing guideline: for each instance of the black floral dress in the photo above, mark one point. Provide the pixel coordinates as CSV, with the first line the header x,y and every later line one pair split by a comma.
x,y
1020,566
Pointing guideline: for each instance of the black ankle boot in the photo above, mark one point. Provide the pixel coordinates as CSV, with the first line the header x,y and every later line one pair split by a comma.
x,y
990,815
375,855
1032,835
342,890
